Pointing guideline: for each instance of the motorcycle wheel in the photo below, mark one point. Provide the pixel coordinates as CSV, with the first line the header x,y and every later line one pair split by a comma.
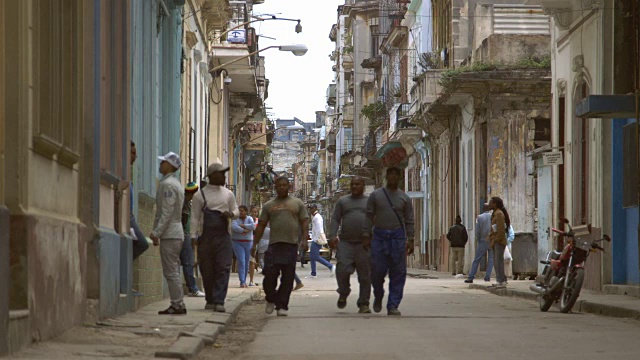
x,y
545,303
570,293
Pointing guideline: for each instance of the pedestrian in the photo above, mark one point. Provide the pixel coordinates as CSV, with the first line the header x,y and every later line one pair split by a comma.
x,y
458,238
318,240
483,227
288,219
187,253
212,209
390,216
167,229
353,249
242,236
140,244
253,262
500,222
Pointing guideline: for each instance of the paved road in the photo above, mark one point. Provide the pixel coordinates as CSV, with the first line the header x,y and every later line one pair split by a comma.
x,y
442,319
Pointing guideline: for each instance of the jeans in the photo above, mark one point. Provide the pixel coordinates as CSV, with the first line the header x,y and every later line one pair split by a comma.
x,y
483,248
353,257
314,255
279,262
141,245
170,256
297,278
187,262
388,255
498,250
242,249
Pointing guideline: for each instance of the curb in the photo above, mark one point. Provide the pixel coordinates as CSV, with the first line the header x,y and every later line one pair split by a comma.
x,y
583,306
190,344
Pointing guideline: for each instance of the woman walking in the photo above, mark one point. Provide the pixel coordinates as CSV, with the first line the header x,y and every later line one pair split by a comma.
x,y
500,222
242,236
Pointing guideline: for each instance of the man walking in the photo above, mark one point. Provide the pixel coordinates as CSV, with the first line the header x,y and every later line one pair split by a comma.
x,y
167,229
318,240
353,249
288,219
186,255
390,214
211,211
483,227
458,237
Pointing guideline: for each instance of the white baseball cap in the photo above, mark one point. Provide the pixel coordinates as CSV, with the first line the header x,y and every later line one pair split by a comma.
x,y
172,158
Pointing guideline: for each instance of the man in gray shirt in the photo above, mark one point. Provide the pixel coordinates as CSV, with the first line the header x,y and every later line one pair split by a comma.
x,y
390,214
353,252
483,227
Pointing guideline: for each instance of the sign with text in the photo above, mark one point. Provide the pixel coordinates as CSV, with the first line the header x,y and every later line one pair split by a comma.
x,y
552,158
311,178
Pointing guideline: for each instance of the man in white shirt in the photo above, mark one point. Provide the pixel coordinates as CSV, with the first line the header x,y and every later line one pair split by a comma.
x,y
318,240
212,208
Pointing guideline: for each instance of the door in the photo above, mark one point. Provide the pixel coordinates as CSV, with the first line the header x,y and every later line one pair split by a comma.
x,y
544,211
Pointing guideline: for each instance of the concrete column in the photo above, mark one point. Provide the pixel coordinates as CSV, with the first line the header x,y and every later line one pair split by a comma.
x,y
4,279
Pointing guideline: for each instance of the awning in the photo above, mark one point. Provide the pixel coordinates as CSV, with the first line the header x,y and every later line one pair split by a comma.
x,y
607,106
388,146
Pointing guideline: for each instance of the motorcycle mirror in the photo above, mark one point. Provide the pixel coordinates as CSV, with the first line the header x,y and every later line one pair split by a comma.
x,y
606,237
565,220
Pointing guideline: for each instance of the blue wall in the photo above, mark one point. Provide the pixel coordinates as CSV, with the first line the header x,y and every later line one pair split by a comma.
x,y
625,220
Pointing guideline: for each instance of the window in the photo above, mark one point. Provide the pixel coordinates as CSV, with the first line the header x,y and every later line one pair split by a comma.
x,y
629,166
57,128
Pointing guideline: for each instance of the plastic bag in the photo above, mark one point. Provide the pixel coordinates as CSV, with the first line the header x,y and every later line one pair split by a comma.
x,y
507,254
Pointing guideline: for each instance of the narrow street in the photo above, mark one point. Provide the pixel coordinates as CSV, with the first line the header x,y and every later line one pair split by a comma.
x,y
441,319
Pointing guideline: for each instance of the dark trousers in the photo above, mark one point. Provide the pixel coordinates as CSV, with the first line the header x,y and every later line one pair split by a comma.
x,y
141,245
353,257
279,262
388,255
215,252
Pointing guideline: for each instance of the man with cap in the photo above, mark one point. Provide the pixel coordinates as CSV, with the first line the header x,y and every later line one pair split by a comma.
x,y
212,209
186,255
167,229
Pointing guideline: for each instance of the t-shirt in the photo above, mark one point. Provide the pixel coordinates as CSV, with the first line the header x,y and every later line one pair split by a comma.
x,y
284,216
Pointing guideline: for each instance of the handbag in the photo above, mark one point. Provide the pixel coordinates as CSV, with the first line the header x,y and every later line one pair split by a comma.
x,y
322,240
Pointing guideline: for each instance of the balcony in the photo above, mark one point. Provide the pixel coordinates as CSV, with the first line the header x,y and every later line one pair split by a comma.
x,y
372,62
347,115
347,61
331,142
331,95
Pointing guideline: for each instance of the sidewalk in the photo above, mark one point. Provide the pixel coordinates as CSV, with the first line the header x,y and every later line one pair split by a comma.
x,y
144,334
621,306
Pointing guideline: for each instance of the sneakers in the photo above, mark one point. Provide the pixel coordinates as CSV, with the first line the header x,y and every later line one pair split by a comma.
x,y
173,311
135,292
196,293
219,308
377,305
487,280
460,276
252,284
333,271
500,285
364,309
310,277
469,281
269,307
283,312
393,312
342,302
210,306
298,286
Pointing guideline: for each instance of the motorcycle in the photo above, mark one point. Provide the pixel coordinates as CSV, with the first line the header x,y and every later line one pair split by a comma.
x,y
563,274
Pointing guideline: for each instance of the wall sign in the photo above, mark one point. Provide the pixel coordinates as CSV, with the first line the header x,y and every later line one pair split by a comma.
x,y
552,158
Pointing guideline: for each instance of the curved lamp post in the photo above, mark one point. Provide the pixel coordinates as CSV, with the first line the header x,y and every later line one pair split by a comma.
x,y
297,50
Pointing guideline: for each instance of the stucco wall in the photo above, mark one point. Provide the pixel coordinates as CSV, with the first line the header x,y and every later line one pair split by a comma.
x,y
509,49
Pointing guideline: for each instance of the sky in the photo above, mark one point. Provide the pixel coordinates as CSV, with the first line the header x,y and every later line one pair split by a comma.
x,y
298,84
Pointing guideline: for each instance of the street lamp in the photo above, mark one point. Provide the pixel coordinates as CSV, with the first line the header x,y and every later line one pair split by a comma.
x,y
298,28
297,50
